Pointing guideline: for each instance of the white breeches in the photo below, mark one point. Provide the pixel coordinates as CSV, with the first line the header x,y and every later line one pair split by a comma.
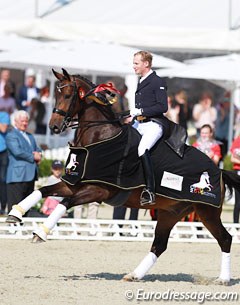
x,y
151,132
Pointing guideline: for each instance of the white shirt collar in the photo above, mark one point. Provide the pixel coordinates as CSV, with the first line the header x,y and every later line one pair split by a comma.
x,y
145,76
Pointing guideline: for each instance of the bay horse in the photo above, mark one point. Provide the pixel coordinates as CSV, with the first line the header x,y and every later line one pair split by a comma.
x,y
96,122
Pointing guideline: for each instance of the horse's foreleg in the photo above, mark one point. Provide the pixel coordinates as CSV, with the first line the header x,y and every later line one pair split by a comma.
x,y
166,221
18,210
41,233
86,194
210,217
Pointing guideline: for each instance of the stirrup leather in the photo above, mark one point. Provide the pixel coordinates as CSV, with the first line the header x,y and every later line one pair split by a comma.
x,y
147,197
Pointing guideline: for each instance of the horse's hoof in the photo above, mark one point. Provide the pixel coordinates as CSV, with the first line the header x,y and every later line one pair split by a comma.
x,y
40,233
13,219
36,239
130,277
220,281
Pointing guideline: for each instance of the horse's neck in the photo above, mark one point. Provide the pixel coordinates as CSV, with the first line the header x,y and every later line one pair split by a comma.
x,y
92,130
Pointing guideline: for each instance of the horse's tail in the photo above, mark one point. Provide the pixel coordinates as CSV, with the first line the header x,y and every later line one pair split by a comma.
x,y
231,179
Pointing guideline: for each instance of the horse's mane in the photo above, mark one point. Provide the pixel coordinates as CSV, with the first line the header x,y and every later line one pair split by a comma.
x,y
84,79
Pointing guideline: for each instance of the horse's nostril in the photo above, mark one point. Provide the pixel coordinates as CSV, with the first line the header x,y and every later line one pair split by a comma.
x,y
55,129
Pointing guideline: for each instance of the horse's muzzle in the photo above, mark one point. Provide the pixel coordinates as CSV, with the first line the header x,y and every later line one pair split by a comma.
x,y
55,129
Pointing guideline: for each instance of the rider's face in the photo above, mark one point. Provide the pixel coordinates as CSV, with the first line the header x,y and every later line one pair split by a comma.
x,y
140,67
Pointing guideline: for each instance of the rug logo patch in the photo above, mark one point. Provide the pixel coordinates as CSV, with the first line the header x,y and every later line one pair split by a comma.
x,y
172,181
72,165
203,187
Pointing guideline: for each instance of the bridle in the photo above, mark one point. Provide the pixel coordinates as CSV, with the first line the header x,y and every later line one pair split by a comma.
x,y
68,121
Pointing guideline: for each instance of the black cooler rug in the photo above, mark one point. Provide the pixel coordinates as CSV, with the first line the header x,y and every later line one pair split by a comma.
x,y
193,177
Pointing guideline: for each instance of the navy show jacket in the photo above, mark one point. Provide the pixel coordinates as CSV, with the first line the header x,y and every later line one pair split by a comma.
x,y
151,96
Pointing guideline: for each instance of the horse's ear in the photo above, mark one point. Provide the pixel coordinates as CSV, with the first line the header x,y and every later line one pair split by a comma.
x,y
58,75
65,73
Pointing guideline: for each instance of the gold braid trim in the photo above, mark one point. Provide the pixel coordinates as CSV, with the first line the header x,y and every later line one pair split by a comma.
x,y
98,101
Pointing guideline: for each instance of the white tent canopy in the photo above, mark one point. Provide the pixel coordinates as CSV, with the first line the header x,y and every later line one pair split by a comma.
x,y
85,57
216,68
176,25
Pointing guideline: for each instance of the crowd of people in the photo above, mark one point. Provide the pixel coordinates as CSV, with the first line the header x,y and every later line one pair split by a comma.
x,y
24,112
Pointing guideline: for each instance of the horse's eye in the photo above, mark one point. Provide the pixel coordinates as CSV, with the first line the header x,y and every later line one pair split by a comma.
x,y
67,96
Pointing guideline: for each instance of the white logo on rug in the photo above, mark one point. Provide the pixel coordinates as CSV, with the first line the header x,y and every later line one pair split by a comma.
x,y
72,163
172,181
203,184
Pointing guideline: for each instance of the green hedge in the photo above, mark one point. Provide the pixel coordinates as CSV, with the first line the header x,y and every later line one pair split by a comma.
x,y
45,168
227,164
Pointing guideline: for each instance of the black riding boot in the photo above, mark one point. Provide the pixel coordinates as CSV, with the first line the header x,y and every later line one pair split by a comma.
x,y
148,193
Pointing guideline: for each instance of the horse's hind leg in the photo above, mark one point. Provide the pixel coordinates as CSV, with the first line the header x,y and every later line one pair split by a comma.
x,y
210,217
165,223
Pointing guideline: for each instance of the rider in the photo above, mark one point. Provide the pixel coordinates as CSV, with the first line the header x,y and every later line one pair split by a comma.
x,y
151,103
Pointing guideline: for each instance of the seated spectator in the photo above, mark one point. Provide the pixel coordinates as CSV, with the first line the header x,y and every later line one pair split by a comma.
x,y
207,144
204,112
52,201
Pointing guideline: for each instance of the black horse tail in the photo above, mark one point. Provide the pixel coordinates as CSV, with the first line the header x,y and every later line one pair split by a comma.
x,y
231,179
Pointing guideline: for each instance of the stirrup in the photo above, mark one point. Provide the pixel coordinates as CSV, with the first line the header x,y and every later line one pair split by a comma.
x,y
147,197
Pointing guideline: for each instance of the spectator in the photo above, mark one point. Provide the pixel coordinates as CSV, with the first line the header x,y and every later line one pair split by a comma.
x,y
173,110
123,100
4,123
45,99
52,201
37,113
207,144
24,156
120,213
92,211
180,102
222,123
5,79
7,102
27,93
235,159
204,112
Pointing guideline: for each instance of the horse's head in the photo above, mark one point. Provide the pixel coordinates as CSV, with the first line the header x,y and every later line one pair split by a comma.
x,y
70,92
74,94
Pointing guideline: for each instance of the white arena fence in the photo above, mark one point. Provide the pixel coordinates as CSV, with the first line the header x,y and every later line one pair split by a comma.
x,y
60,153
112,230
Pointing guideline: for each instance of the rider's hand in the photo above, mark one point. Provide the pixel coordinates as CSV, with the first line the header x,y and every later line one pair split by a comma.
x,y
135,112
